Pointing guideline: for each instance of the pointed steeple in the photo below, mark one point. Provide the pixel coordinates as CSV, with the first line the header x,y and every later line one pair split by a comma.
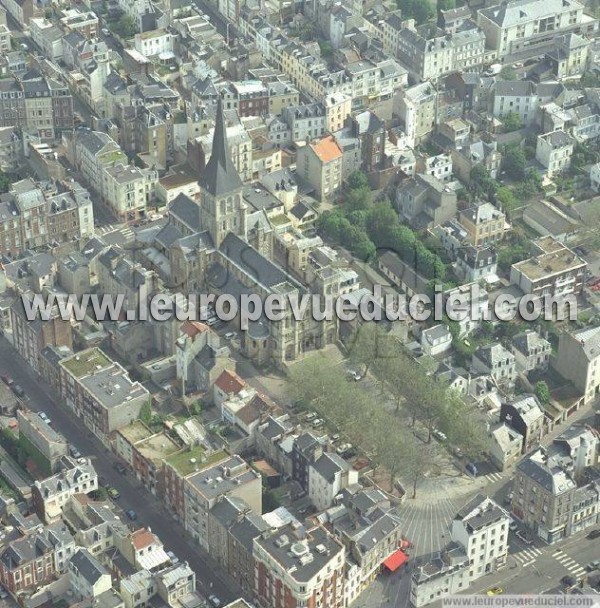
x,y
220,176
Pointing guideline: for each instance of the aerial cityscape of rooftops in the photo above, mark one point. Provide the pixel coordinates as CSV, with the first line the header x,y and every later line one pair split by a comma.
x,y
299,303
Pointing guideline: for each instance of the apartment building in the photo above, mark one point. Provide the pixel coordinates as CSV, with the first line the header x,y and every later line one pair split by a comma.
x,y
30,337
129,190
556,271
48,36
20,10
484,223
320,164
338,107
531,351
478,546
100,391
543,494
87,576
229,476
45,440
27,563
578,360
522,25
554,151
86,23
153,43
496,361
525,415
416,107
298,566
305,121
51,494
327,477
430,53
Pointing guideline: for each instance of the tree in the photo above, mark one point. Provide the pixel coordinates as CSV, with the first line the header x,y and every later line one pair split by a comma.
x,y
444,5
514,163
507,199
358,199
5,182
512,122
419,10
146,413
101,493
542,392
481,182
125,27
508,73
357,180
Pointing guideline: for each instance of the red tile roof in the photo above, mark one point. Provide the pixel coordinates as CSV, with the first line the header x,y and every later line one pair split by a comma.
x,y
142,538
327,149
230,383
193,328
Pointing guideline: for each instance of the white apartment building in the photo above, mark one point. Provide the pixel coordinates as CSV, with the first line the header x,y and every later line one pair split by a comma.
x,y
554,151
128,190
154,42
327,477
481,527
521,24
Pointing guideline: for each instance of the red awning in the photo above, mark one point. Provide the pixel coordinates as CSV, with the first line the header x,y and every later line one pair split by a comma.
x,y
395,560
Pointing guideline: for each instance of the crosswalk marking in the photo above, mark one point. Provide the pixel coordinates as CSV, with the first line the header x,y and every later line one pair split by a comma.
x,y
494,476
569,563
527,556
125,230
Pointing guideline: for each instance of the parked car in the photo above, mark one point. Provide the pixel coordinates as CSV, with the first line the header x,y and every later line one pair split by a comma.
x,y
45,418
495,591
119,468
471,468
113,493
214,601
524,537
317,423
310,416
131,514
74,452
568,581
105,31
595,565
230,335
594,534
439,435
174,559
508,498
341,449
513,526
17,390
335,437
8,380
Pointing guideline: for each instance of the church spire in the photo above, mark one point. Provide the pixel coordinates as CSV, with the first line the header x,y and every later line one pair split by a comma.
x,y
220,176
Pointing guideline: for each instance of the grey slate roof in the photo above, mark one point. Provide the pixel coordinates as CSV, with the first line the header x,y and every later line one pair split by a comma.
x,y
186,211
220,176
329,465
87,566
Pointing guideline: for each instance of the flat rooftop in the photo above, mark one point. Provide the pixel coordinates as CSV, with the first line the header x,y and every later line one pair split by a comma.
x,y
112,386
136,431
158,447
222,477
540,266
88,361
188,461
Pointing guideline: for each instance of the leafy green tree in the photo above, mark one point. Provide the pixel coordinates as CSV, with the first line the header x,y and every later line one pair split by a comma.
x,y
512,122
542,392
419,10
444,5
5,182
507,199
358,199
101,493
125,27
146,413
357,180
481,182
514,163
508,73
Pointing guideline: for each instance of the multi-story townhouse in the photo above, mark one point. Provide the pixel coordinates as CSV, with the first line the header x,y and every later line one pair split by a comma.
x,y
230,476
27,563
175,583
20,10
128,190
554,151
87,576
337,108
555,271
295,566
12,103
484,224
516,97
473,264
320,164
327,477
51,494
525,415
48,36
522,25
31,336
578,360
568,56
100,391
5,39
153,43
306,449
305,121
281,95
51,445
481,527
531,351
86,23
416,107
496,361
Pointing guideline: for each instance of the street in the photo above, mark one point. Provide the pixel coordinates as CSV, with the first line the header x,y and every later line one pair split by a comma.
x,y
151,513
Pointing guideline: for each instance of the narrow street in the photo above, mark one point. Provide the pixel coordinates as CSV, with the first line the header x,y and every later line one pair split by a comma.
x,y
151,513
